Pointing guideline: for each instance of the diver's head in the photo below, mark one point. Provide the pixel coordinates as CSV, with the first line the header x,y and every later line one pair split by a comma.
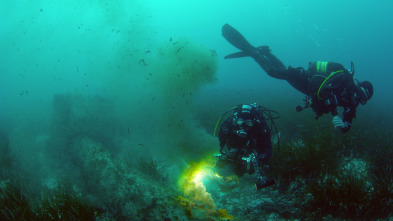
x,y
365,91
243,119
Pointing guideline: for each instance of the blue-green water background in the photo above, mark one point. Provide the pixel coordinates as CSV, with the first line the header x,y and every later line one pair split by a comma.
x,y
94,48
43,43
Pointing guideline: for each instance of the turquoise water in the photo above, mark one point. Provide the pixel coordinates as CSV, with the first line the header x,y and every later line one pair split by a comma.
x,y
90,89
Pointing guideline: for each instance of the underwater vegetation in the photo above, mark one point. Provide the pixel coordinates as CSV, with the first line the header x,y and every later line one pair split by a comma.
x,y
14,204
334,175
59,204
138,199
56,205
320,174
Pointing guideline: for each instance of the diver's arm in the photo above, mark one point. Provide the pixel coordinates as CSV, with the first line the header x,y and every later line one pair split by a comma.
x,y
349,114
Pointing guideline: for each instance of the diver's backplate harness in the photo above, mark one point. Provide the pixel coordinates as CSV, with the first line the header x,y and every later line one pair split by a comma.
x,y
322,68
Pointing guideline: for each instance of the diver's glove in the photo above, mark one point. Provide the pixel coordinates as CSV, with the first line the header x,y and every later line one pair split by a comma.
x,y
338,122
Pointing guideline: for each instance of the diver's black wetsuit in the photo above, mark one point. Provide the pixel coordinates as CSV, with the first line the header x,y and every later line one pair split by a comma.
x,y
326,96
339,90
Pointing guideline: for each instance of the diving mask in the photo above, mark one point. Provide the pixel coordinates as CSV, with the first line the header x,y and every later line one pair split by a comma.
x,y
244,123
243,126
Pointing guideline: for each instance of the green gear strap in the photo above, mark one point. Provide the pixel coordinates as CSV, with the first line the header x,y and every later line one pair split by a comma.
x,y
323,83
322,66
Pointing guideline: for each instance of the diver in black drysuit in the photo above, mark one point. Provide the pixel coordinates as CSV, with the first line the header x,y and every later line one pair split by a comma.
x,y
327,85
245,138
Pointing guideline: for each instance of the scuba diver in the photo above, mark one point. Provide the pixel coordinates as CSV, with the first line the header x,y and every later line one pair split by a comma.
x,y
327,85
245,143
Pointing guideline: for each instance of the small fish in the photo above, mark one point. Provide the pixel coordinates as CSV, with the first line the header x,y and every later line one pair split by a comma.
x,y
179,49
24,92
142,61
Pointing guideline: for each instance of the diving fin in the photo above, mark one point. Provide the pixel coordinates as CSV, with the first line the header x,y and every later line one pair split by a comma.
x,y
264,49
261,49
237,55
236,39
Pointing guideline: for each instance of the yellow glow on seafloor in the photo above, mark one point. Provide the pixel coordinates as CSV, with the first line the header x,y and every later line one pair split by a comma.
x,y
197,200
191,183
